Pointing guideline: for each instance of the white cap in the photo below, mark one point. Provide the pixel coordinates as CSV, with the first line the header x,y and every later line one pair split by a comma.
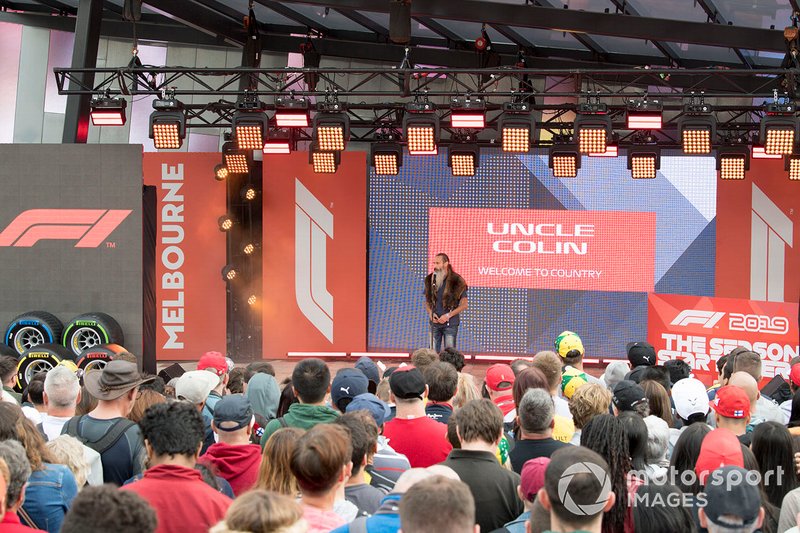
x,y
690,397
195,385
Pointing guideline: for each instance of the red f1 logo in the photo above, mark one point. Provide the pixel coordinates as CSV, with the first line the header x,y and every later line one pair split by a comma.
x,y
89,226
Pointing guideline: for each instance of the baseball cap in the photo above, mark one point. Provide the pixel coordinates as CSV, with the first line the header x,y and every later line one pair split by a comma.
x,y
571,380
733,499
369,368
532,477
214,362
719,448
348,383
628,395
232,412
407,383
568,341
690,397
731,402
615,372
794,375
369,402
641,353
195,385
499,377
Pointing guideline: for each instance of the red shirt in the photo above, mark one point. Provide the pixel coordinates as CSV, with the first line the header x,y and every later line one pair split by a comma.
x,y
11,524
422,440
181,499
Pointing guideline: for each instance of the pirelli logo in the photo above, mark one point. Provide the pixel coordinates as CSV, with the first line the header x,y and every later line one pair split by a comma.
x,y
89,227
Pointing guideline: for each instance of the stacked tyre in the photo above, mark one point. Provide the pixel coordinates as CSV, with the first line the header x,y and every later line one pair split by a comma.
x,y
40,358
97,357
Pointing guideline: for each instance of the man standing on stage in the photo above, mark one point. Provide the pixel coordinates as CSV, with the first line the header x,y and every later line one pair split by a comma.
x,y
445,298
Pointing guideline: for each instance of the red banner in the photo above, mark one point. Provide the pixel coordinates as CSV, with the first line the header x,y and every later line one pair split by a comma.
x,y
190,252
701,329
538,249
315,266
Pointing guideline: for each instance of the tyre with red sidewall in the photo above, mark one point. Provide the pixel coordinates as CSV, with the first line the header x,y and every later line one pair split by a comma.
x,y
96,358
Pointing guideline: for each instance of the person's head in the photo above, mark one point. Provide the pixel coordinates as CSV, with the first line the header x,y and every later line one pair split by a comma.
x,y
34,443
68,450
172,431
629,396
454,357
261,511
550,365
106,508
530,378
571,380
657,373
589,401
321,459
657,439
466,390
441,263
750,362
363,437
636,431
748,384
684,456
311,380
657,399
731,408
8,370
116,385
216,363
233,419
408,388
442,381
10,417
236,381
61,389
287,399
275,473
641,354
264,393
371,404
437,505
794,378
536,412
144,400
520,364
733,502
570,347
195,385
157,384
772,447
371,371
531,480
422,357
34,392
615,372
5,475
588,496
480,421
656,511
86,402
678,369
258,367
691,400
720,447
721,366
383,391
347,384
19,469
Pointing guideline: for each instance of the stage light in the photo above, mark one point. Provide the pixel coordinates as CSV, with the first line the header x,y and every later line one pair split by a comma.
x,y
760,152
467,113
386,157
278,142
778,129
463,159
792,165
220,172
697,128
516,127
248,129
229,273
612,150
331,127
324,162
291,112
421,127
249,248
565,160
108,111
167,124
225,223
592,128
236,160
248,193
252,300
732,162
644,161
644,115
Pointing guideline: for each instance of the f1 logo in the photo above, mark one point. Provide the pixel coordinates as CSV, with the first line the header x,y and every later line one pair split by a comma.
x,y
706,319
89,226
313,225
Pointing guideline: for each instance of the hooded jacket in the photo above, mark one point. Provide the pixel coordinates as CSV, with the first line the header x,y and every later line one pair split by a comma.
x,y
264,394
238,464
303,416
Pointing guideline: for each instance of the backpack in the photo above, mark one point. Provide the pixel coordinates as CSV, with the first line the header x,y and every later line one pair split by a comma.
x,y
114,433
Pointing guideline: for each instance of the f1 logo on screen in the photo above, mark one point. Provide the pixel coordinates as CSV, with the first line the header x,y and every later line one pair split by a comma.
x,y
706,319
313,225
91,227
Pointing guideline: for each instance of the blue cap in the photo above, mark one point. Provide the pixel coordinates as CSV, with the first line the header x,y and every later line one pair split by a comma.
x,y
369,368
369,402
232,412
348,383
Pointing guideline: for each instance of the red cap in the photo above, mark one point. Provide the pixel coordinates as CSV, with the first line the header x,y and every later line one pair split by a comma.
x,y
720,448
794,375
499,377
214,362
532,477
731,402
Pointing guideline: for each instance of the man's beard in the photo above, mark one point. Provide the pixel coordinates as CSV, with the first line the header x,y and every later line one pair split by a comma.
x,y
439,276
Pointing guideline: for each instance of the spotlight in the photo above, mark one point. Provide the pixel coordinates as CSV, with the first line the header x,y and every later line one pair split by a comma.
x,y
291,112
644,115
248,129
228,273
779,129
463,159
108,111
612,150
249,248
592,128
248,193
644,161
760,152
421,127
331,127
516,127
220,172
468,113
732,162
565,160
167,124
225,223
324,162
236,160
252,300
386,157
278,142
792,165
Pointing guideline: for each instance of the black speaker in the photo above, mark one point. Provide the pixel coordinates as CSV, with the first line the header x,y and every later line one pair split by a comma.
x,y
777,389
400,21
172,371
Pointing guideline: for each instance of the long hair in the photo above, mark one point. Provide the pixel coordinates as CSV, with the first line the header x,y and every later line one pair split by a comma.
x,y
636,432
275,474
771,512
794,419
655,518
684,455
34,444
772,448
605,434
658,399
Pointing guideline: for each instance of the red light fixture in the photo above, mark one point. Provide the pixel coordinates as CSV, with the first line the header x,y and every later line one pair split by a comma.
x,y
291,113
644,115
108,111
468,113
278,142
611,151
760,152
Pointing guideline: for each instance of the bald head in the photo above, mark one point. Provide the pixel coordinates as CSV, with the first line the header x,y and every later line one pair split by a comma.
x,y
748,384
413,476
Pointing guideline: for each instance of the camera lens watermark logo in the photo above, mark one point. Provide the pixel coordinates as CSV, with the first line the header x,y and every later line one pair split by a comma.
x,y
586,509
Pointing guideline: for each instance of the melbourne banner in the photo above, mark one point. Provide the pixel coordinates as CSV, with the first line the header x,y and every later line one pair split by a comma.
x,y
190,251
700,330
314,256
548,249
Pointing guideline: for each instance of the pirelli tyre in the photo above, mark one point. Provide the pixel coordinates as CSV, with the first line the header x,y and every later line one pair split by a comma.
x,y
31,329
90,330
96,358
41,358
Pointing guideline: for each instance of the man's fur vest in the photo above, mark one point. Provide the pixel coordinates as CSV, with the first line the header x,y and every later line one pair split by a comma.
x,y
454,287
